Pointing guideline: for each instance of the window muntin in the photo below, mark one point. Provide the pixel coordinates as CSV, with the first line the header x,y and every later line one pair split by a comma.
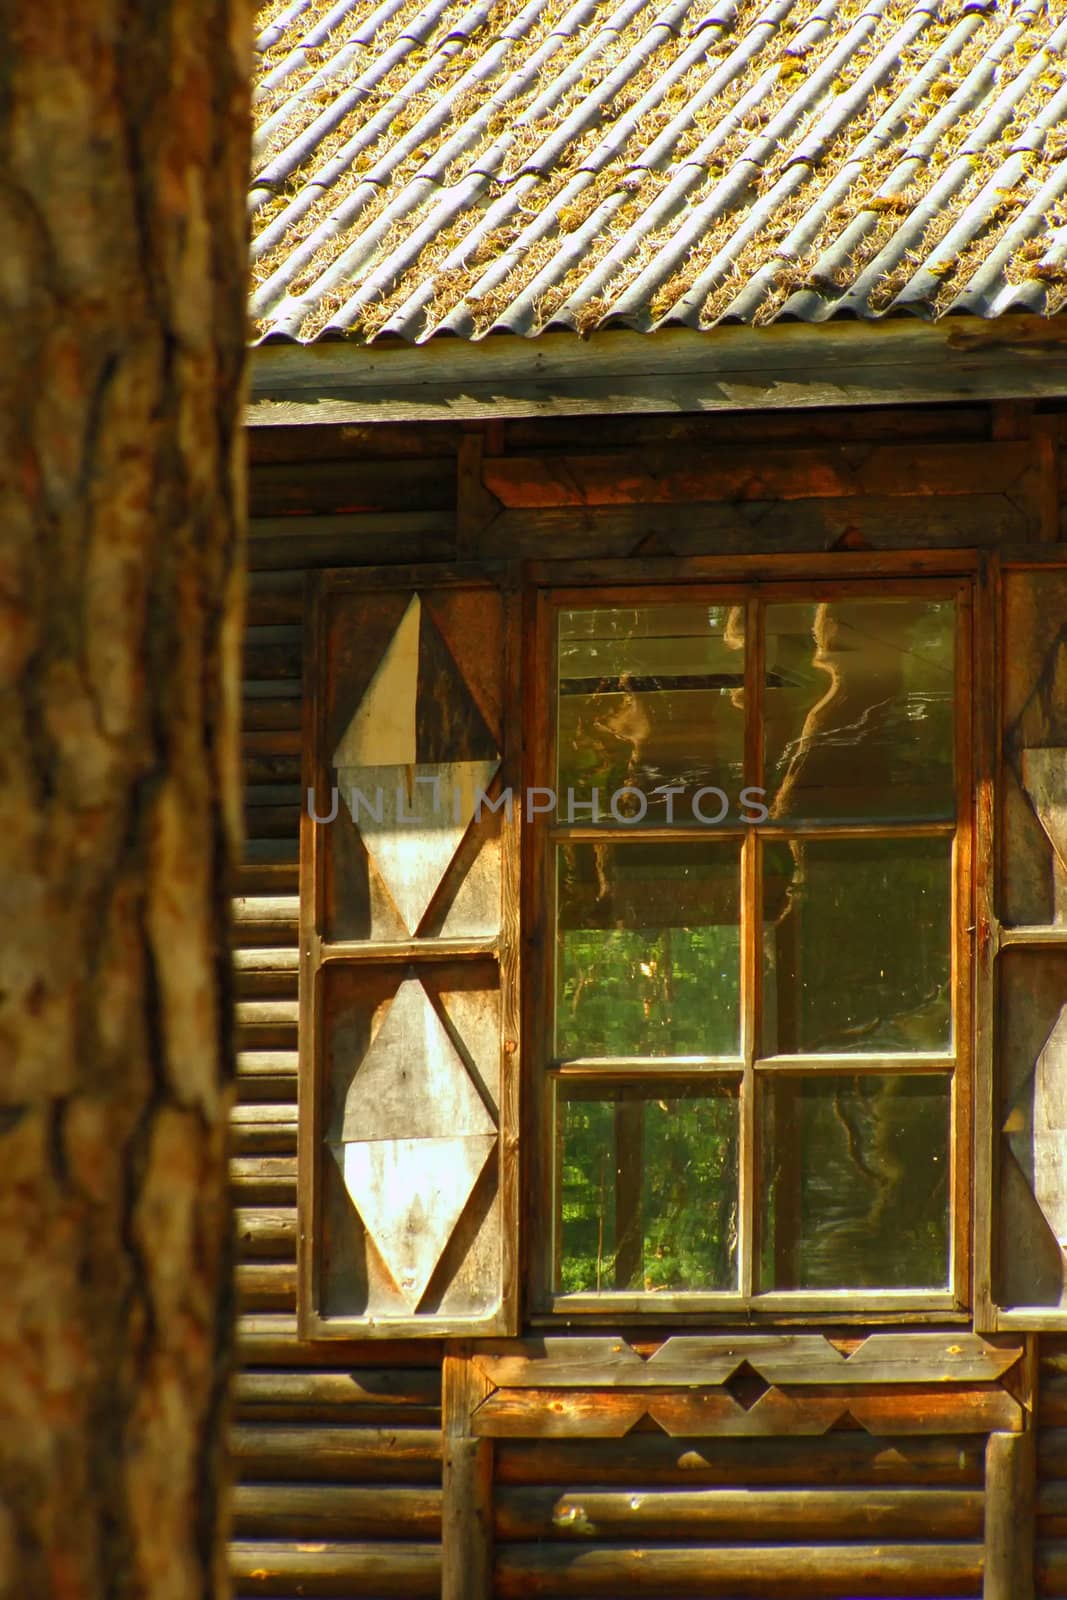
x,y
800,975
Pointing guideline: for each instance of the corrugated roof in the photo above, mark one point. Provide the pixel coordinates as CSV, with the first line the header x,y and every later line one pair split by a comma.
x,y
438,168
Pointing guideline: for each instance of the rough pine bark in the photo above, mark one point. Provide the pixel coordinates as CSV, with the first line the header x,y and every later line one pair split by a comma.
x,y
123,160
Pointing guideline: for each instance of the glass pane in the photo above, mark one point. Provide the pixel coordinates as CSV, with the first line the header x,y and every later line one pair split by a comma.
x,y
857,946
646,1190
859,709
855,1182
648,953
651,696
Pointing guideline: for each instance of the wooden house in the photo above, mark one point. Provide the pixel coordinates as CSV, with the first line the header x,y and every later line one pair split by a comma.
x,y
652,943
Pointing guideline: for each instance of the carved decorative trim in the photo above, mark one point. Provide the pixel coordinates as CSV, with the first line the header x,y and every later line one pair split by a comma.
x,y
752,1386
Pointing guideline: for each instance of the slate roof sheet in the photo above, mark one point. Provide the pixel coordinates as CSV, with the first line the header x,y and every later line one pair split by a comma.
x,y
442,168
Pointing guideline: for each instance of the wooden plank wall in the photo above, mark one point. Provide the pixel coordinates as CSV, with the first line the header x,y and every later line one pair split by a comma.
x,y
339,1448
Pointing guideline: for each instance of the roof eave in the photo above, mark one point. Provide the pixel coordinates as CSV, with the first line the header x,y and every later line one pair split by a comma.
x,y
898,361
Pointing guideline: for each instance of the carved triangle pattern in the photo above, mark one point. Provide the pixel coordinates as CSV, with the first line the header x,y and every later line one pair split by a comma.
x,y
1044,774
410,1194
1036,1131
416,1137
745,1386
414,761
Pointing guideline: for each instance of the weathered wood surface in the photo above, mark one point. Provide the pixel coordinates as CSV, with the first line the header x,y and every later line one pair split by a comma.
x,y
407,1571
834,364
466,1484
763,1515
1050,1569
733,475
766,1572
271,1341
709,1413
365,1396
266,1451
1009,1517
266,1286
310,1430
353,487
321,1511
590,1362
838,1459
700,527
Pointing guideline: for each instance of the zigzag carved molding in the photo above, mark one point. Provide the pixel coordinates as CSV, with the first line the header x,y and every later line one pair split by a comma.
x,y
754,1386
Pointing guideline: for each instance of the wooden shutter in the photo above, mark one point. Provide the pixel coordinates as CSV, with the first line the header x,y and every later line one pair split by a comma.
x,y
1022,1282
409,957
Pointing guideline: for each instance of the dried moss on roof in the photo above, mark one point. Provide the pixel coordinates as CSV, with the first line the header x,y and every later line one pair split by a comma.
x,y
431,167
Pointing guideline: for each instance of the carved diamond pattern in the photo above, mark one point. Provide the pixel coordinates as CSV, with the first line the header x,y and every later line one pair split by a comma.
x,y
1036,1130
411,801
415,1139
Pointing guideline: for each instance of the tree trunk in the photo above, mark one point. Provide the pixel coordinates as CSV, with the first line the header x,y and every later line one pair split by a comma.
x,y
123,154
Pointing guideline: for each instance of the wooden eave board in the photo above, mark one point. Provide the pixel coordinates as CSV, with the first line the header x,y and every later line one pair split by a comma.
x,y
673,370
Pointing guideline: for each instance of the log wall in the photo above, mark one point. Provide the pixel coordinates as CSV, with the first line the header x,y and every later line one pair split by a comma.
x,y
339,1449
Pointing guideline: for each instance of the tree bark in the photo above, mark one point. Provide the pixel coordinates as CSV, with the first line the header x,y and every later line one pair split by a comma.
x,y
123,162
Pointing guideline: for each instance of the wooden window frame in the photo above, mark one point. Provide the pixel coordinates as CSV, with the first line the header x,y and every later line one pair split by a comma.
x,y
555,586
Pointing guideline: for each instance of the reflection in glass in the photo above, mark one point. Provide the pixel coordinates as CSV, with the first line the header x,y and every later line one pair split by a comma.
x,y
855,1181
857,946
648,953
650,696
646,1187
859,709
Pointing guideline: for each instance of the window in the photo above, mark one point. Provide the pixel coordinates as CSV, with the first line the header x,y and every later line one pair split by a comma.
x,y
752,1018
712,1047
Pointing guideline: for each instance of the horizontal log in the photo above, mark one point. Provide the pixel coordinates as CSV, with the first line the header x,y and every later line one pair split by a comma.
x,y
1052,1510
766,526
271,741
258,983
700,1413
353,443
292,550
1050,1568
262,919
379,1569
341,1396
842,1458
268,959
273,822
260,795
272,1340
335,1511
267,1451
265,1233
266,1286
270,653
350,488
854,470
738,1514
273,854
1052,1453
271,766
524,435
263,1130
273,711
764,1572
263,1180
272,880
263,1089
267,1063
279,604
267,1024
805,1358
1052,1399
